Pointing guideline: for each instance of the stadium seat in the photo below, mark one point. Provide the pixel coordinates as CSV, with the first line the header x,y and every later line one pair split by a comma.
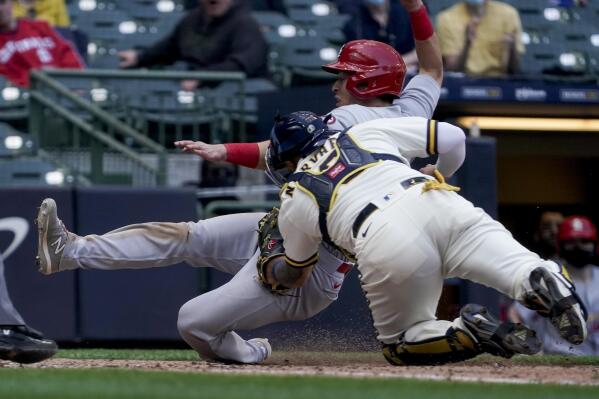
x,y
13,101
105,24
303,57
24,171
275,27
226,100
13,142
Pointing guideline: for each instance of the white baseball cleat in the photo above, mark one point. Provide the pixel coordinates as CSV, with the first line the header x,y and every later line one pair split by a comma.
x,y
263,346
52,238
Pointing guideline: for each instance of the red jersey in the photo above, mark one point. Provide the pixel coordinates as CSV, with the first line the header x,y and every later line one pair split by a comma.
x,y
32,45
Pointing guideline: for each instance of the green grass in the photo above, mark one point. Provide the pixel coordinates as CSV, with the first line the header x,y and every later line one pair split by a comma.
x,y
132,354
108,384
190,355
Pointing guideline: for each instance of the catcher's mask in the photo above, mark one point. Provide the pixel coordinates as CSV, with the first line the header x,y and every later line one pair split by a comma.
x,y
292,136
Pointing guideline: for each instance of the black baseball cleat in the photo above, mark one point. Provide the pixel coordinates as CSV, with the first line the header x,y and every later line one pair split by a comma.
x,y
503,339
22,344
554,296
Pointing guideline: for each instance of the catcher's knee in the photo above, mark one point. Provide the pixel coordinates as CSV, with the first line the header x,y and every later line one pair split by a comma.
x,y
455,346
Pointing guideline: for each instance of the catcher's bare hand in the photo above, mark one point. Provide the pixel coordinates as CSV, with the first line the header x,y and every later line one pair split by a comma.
x,y
428,170
411,5
209,152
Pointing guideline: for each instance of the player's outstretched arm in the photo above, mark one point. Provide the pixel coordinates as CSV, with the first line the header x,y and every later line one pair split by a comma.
x,y
250,155
427,43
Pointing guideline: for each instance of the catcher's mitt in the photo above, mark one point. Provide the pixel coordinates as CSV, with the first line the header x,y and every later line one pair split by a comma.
x,y
270,243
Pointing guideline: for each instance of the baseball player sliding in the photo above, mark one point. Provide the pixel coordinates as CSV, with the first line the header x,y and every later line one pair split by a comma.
x,y
229,243
407,231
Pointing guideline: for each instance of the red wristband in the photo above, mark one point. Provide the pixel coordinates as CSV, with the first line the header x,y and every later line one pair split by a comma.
x,y
244,154
421,24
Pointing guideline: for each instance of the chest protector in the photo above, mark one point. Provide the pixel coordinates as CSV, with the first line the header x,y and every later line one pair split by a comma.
x,y
339,166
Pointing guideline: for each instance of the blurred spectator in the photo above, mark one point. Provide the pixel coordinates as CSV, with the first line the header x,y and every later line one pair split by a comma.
x,y
219,35
568,3
545,238
481,37
53,12
190,4
577,249
347,6
269,5
384,21
18,342
26,44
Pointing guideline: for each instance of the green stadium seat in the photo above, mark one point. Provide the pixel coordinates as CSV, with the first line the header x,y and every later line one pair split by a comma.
x,y
24,172
14,143
275,27
303,57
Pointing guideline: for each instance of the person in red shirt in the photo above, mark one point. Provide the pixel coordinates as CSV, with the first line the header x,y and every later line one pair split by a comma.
x,y
27,44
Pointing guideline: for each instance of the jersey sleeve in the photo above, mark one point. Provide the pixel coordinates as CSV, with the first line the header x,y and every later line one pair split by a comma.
x,y
419,97
414,137
298,223
65,54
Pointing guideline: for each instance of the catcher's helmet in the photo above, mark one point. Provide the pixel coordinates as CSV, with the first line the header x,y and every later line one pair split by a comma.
x,y
293,135
574,227
376,68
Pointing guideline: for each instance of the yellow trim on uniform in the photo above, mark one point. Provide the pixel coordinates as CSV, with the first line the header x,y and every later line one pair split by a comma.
x,y
566,274
357,142
340,183
440,346
311,261
283,188
305,190
431,137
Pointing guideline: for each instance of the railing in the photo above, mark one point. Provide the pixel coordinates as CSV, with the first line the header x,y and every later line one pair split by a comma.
x,y
219,206
99,120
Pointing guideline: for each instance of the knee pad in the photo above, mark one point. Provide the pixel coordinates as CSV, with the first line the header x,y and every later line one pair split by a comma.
x,y
455,346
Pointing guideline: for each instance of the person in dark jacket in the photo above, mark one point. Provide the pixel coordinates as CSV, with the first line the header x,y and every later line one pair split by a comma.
x,y
384,21
219,35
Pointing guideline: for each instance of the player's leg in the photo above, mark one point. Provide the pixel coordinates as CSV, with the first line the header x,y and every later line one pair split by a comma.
x,y
481,249
8,313
225,242
207,322
403,278
19,343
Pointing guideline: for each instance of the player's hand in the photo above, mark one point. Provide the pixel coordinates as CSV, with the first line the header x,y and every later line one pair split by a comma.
x,y
190,84
471,29
208,152
411,5
509,39
128,58
428,170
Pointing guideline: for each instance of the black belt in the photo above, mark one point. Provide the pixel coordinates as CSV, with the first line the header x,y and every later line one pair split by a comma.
x,y
368,209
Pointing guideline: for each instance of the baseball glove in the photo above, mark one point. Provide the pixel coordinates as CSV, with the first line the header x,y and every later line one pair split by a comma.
x,y
270,243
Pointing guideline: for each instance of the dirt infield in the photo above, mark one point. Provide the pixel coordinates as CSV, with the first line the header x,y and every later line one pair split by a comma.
x,y
496,370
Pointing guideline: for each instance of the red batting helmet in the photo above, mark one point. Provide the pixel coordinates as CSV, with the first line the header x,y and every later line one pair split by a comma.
x,y
376,68
574,227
